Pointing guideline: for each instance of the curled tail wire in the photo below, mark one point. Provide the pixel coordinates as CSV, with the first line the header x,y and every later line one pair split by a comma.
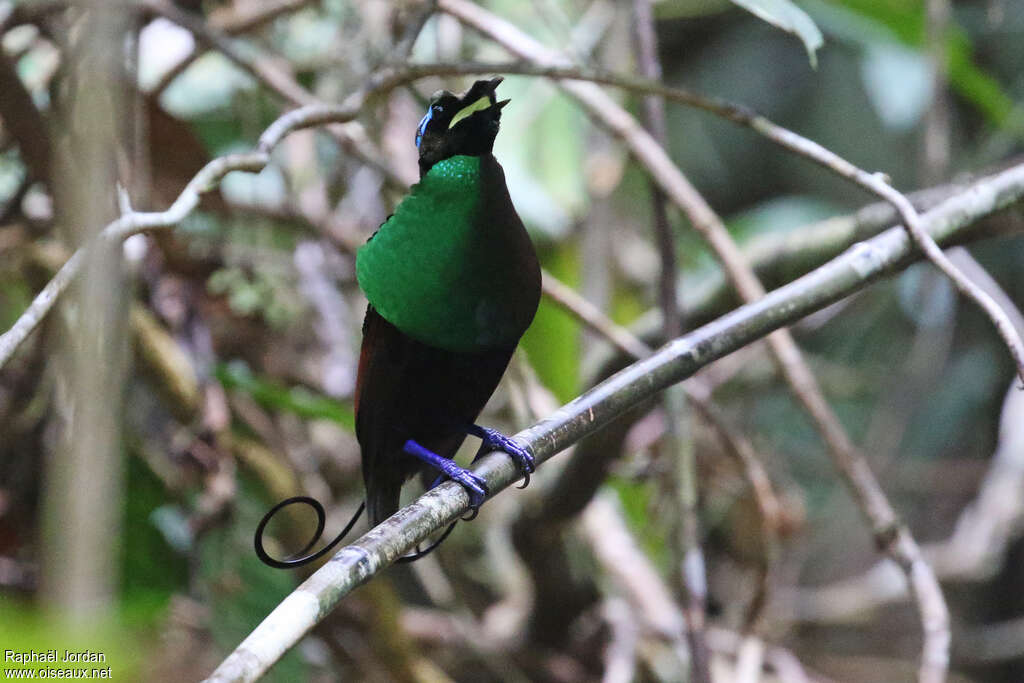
x,y
321,518
302,559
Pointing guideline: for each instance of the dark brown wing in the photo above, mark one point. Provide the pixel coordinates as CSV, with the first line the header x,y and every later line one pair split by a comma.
x,y
408,390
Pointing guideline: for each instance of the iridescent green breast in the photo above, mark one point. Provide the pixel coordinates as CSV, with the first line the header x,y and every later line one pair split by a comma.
x,y
433,269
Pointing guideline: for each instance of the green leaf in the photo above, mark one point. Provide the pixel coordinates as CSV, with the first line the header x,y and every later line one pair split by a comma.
x,y
790,18
552,342
976,85
298,400
869,23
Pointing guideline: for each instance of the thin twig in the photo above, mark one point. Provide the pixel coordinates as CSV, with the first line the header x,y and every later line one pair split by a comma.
x,y
879,185
118,230
414,26
566,297
779,256
187,201
244,17
277,76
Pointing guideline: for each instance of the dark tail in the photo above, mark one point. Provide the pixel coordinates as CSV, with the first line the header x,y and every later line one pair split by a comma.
x,y
382,496
301,558
385,471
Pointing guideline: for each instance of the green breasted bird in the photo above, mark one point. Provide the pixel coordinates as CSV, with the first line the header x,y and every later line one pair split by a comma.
x,y
453,282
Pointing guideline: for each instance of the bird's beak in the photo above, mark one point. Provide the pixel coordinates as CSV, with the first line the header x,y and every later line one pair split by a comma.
x,y
479,97
493,84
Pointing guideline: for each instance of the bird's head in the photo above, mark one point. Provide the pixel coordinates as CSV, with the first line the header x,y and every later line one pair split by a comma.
x,y
459,124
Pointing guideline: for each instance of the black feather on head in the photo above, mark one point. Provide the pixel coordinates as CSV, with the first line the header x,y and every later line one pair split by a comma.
x,y
459,124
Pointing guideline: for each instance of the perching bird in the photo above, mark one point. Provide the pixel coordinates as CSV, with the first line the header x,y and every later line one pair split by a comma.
x,y
453,282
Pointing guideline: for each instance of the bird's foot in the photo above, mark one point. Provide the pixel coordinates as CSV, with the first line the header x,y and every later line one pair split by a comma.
x,y
493,440
475,486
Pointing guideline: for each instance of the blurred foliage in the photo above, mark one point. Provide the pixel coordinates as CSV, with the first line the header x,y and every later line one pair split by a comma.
x,y
298,400
790,18
237,586
23,628
552,341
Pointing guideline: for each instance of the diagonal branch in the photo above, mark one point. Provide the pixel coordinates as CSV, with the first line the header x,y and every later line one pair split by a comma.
x,y
891,536
359,562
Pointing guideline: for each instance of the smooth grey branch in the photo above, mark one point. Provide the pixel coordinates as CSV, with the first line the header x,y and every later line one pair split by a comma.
x,y
357,563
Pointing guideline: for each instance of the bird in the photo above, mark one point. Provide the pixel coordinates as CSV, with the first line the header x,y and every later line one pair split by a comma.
x,y
452,282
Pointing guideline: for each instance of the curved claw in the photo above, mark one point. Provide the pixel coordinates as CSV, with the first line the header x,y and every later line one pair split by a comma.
x,y
412,557
475,486
493,440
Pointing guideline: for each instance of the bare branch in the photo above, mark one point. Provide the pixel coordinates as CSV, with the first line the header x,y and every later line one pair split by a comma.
x,y
879,185
891,536
566,297
974,551
736,445
357,563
